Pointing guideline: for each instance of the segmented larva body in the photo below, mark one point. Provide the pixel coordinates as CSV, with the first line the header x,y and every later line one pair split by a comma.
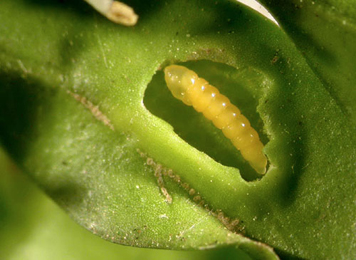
x,y
186,86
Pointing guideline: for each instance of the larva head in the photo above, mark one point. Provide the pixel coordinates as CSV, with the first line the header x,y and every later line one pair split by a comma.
x,y
179,79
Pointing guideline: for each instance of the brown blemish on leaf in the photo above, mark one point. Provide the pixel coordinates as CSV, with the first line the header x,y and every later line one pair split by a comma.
x,y
160,171
93,109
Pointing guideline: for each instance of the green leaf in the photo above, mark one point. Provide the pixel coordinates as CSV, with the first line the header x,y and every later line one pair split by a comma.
x,y
29,220
86,114
325,33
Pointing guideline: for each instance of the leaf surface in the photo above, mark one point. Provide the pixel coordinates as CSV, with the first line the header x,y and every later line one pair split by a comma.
x,y
85,111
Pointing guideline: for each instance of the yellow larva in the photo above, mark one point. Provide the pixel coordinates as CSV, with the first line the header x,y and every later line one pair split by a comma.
x,y
186,86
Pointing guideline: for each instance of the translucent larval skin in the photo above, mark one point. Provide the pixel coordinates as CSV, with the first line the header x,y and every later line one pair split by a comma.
x,y
186,86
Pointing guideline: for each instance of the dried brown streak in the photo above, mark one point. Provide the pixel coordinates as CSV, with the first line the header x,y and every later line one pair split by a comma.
x,y
93,109
191,192
161,171
158,171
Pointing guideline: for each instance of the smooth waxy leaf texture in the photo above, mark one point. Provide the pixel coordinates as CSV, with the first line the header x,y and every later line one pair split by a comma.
x,y
82,110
